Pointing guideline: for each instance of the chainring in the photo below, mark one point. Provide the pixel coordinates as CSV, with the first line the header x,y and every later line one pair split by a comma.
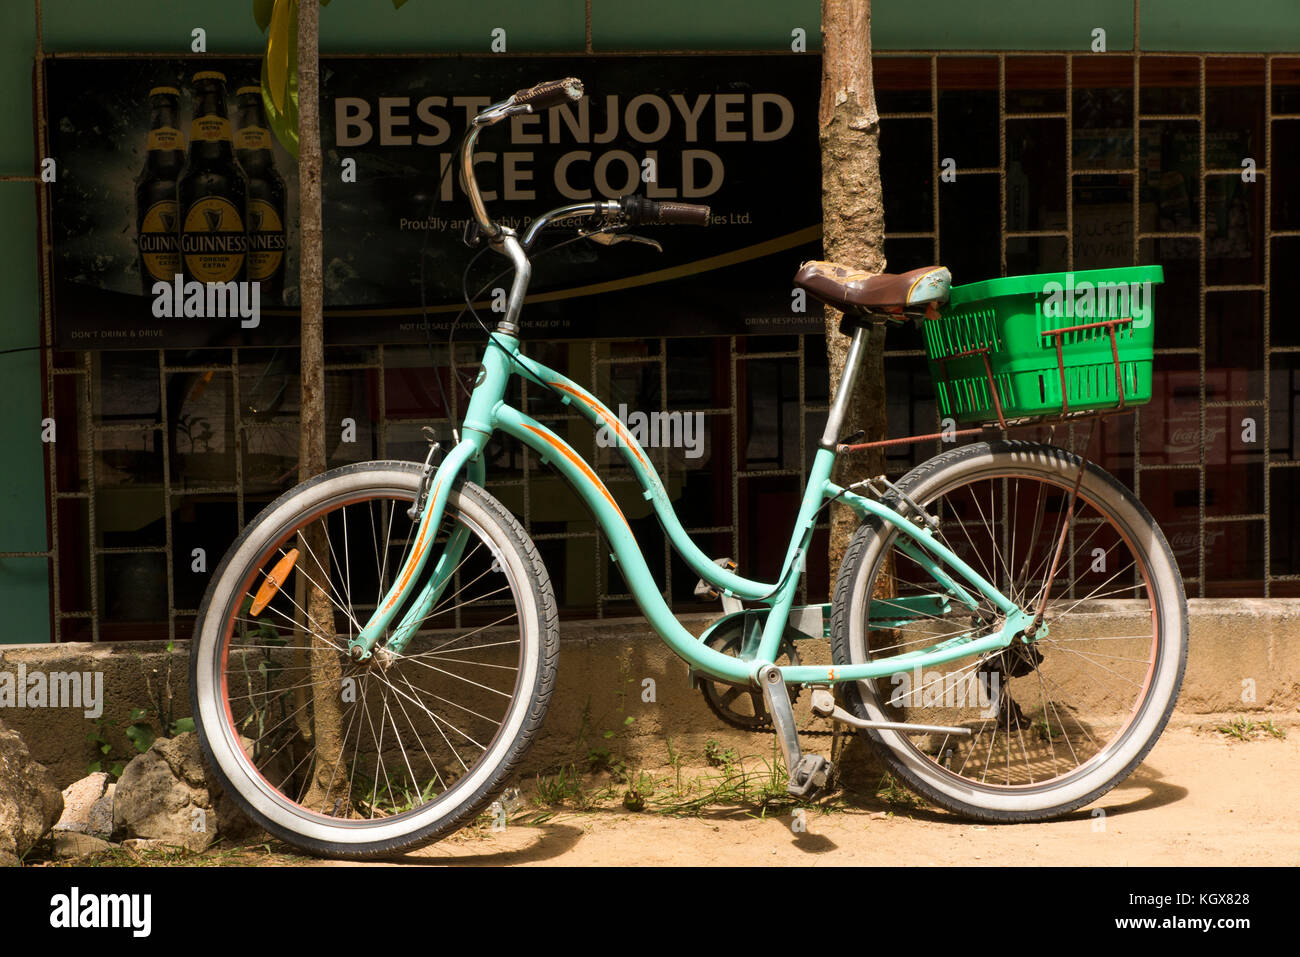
x,y
742,706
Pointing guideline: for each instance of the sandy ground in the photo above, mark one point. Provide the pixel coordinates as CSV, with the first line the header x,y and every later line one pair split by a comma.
x,y
1199,799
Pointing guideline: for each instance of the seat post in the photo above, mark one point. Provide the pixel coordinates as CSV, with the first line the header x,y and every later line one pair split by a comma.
x,y
848,379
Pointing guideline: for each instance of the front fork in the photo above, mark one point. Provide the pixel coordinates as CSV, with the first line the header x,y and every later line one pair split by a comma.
x,y
467,454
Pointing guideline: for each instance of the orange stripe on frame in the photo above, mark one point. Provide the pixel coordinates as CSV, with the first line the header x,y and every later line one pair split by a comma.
x,y
415,556
586,470
612,422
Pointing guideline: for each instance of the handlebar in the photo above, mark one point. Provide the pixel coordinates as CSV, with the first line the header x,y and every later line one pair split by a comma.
x,y
534,99
630,210
543,96
635,209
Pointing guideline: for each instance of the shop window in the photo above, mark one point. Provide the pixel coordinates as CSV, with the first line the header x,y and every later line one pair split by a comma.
x,y
1284,407
1036,183
1234,346
907,175
1170,85
1234,559
1284,502
1103,221
968,111
1286,186
1178,298
1102,113
1286,85
902,84
1170,162
1035,84
969,228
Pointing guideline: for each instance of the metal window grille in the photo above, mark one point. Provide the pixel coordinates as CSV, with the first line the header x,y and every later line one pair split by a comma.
x,y
74,387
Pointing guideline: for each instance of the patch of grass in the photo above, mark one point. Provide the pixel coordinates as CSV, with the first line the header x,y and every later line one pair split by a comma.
x,y
675,761
717,756
564,787
751,784
601,760
893,793
1047,731
1246,729
753,781
256,855
734,786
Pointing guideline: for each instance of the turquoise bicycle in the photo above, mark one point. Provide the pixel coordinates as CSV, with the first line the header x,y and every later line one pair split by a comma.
x,y
1008,626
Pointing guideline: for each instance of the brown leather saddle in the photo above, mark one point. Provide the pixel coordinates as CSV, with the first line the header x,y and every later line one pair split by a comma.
x,y
876,297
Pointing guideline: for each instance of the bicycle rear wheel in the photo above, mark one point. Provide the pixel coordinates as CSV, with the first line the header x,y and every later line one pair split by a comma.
x,y
1058,721
365,759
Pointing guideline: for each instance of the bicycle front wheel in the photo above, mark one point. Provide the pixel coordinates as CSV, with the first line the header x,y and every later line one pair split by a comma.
x,y
1056,721
362,759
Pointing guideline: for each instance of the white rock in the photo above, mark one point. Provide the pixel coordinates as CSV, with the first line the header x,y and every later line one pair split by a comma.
x,y
80,798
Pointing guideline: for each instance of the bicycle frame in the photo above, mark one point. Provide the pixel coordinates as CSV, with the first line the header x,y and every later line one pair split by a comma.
x,y
488,412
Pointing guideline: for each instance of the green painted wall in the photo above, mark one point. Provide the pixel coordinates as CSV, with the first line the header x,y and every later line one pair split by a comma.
x,y
1249,26
24,582
539,26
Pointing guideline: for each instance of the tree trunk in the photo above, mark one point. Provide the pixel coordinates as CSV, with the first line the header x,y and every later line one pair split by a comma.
x,y
853,233
853,227
311,450
325,668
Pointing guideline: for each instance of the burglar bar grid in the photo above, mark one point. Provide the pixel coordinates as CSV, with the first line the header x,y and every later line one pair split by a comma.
x,y
83,372
1196,584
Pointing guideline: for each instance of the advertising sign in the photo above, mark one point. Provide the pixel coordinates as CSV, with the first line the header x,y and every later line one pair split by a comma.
x,y
174,215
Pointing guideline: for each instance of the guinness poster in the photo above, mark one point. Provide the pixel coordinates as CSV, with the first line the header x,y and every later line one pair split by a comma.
x,y
168,183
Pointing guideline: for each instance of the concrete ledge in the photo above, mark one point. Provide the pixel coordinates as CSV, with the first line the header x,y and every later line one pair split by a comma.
x,y
1241,649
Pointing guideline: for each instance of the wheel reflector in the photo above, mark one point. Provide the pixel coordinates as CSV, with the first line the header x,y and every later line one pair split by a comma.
x,y
273,582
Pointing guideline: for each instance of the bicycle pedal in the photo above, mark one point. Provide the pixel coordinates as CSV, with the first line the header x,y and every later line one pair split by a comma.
x,y
704,590
809,776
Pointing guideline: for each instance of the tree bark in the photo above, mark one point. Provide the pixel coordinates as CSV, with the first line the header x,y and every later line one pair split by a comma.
x,y
311,449
853,233
853,228
325,668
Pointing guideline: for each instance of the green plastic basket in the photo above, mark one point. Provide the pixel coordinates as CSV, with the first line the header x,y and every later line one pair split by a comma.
x,y
998,335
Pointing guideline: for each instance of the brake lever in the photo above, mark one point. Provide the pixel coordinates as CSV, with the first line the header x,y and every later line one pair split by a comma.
x,y
613,239
473,234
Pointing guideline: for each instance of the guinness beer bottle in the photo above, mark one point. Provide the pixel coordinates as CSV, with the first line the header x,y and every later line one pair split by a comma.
x,y
267,246
213,193
156,219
